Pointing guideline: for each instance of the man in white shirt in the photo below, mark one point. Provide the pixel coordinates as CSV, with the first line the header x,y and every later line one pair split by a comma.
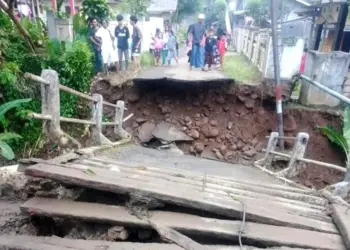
x,y
109,55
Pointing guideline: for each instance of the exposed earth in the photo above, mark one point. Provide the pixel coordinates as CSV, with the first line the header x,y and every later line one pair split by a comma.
x,y
221,120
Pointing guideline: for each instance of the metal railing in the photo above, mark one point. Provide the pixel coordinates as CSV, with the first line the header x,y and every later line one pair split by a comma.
x,y
50,106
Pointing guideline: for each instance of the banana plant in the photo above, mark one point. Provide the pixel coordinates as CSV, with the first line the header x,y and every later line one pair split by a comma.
x,y
5,150
342,139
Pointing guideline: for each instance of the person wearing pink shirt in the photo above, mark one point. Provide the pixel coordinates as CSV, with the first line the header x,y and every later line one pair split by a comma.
x,y
158,47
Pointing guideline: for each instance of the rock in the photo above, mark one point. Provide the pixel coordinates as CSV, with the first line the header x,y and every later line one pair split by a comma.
x,y
133,96
259,147
250,153
165,109
213,123
254,142
226,108
197,116
228,136
210,132
146,112
289,123
241,98
196,104
116,96
117,233
141,120
223,149
249,103
194,134
230,125
233,147
199,147
168,132
254,96
218,154
218,140
207,113
145,132
135,125
192,150
187,119
168,120
205,120
228,155
240,145
289,143
209,154
198,124
246,148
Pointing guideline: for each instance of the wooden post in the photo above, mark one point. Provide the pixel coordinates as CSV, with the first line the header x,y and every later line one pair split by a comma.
x,y
50,102
119,115
97,109
294,165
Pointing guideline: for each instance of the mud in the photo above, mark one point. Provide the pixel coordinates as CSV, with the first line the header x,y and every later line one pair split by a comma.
x,y
228,122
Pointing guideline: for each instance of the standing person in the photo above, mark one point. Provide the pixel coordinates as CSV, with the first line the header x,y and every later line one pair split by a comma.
x,y
189,43
171,44
107,46
198,31
96,44
210,44
165,48
158,46
136,42
222,50
122,34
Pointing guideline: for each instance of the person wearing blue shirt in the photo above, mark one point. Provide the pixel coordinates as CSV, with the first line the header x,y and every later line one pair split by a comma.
x,y
122,34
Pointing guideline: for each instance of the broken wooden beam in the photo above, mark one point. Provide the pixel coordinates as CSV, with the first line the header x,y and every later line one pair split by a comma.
x,y
23,242
172,192
185,223
341,217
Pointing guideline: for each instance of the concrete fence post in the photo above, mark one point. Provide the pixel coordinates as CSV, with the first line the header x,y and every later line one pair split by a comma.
x,y
294,165
50,102
97,110
271,146
119,116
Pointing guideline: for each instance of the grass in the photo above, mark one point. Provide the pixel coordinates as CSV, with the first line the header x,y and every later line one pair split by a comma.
x,y
240,69
146,60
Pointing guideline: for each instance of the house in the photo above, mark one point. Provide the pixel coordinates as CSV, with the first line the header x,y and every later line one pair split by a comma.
x,y
163,8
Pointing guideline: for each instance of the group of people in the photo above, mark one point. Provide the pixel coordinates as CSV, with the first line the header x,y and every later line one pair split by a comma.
x,y
204,46
164,47
103,44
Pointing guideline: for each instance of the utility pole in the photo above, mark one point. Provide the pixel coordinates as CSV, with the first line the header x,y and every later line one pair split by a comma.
x,y
276,63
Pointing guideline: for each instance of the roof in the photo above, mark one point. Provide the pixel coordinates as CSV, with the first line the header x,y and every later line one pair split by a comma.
x,y
161,6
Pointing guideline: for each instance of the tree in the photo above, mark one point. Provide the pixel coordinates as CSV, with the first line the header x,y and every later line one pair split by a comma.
x,y
187,8
96,9
259,10
217,13
135,7
8,8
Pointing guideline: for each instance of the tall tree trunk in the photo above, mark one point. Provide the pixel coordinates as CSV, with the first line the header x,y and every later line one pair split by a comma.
x,y
21,29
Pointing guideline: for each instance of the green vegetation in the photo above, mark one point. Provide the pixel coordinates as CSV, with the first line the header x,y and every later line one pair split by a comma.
x,y
217,13
5,149
135,7
187,8
96,9
72,61
146,60
341,139
240,69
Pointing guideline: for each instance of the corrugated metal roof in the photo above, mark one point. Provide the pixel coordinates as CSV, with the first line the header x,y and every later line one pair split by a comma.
x,y
161,6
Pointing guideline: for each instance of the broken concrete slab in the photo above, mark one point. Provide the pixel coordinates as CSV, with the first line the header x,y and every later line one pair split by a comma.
x,y
145,131
341,217
168,132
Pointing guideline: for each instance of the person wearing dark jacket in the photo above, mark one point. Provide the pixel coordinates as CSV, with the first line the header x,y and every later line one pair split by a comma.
x,y
209,48
122,34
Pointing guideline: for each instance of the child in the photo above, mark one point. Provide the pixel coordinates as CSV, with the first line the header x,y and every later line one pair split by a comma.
x,y
222,49
158,46
209,49
171,45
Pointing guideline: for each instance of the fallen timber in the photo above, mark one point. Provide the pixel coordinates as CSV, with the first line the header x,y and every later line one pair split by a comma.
x,y
175,193
191,225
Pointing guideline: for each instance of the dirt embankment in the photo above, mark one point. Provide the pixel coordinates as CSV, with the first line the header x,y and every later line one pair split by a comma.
x,y
226,121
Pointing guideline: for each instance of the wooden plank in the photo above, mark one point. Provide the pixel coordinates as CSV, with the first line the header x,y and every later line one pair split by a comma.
x,y
173,236
106,180
185,223
341,217
24,242
283,197
251,185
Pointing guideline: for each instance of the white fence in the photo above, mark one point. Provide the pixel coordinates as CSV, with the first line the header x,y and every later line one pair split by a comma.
x,y
256,45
